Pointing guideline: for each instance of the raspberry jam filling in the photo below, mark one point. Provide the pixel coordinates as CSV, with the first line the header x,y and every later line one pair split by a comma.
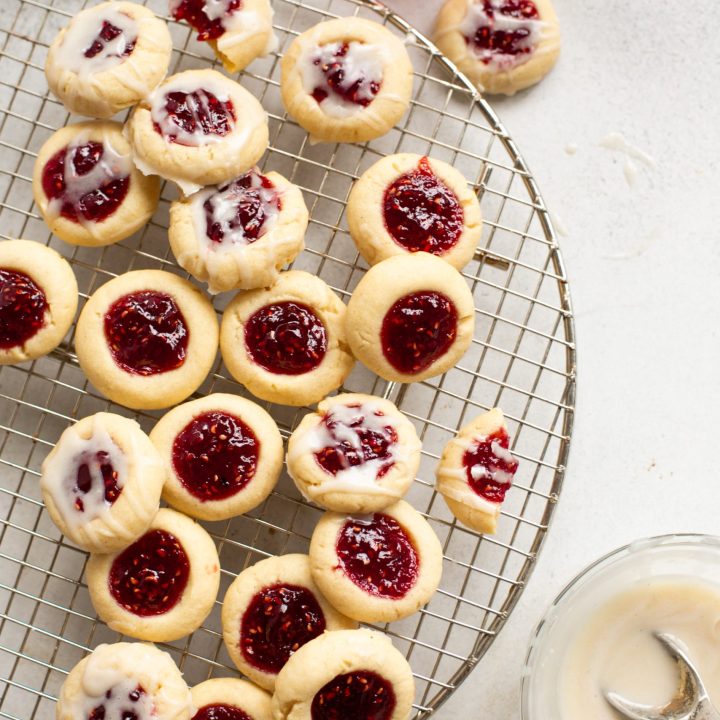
x,y
101,44
417,330
347,72
192,118
490,467
242,211
286,338
149,577
502,30
215,456
147,333
86,182
356,435
221,712
207,17
124,701
98,466
421,213
23,305
279,620
378,556
361,694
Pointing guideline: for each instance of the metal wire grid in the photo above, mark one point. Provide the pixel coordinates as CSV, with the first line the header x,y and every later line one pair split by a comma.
x,y
522,359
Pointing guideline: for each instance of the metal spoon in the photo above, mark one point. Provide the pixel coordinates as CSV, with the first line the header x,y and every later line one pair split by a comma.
x,y
691,701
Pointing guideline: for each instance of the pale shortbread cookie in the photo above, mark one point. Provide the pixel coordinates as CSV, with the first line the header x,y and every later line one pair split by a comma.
x,y
239,235
270,610
184,327
377,568
405,299
198,128
492,469
110,677
387,191
109,57
295,327
332,674
237,35
223,456
233,693
369,452
102,481
170,575
42,283
107,204
530,30
377,79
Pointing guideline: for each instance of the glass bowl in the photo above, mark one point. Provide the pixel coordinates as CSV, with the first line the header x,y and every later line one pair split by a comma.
x,y
671,557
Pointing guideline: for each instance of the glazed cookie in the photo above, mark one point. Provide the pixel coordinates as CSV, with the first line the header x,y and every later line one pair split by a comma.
x,y
356,674
198,128
38,299
87,188
147,339
408,203
230,699
223,456
476,470
161,587
357,453
376,568
108,58
502,45
346,80
287,344
239,235
237,30
411,317
102,482
125,680
271,610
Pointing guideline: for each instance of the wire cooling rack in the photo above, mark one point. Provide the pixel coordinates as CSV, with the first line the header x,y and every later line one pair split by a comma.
x,y
522,359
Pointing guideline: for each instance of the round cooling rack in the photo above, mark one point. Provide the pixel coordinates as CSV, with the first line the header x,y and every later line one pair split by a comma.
x,y
522,359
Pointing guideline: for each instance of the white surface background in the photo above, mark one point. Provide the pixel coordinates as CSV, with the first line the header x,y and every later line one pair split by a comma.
x,y
643,263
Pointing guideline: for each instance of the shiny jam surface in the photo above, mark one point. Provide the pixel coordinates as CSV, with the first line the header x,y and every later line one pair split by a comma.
x,y
128,707
83,481
146,333
417,330
359,695
197,113
208,24
221,712
279,620
93,206
359,91
149,577
253,199
490,40
215,456
422,213
355,443
378,556
108,32
22,308
286,338
490,467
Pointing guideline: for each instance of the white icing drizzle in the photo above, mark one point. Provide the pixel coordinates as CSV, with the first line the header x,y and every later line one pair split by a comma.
x,y
361,62
112,165
60,476
85,29
463,493
360,478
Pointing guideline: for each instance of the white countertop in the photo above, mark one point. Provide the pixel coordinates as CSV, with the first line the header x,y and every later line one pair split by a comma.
x,y
643,262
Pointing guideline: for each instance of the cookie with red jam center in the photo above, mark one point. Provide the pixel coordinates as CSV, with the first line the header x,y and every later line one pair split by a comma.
x,y
230,699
